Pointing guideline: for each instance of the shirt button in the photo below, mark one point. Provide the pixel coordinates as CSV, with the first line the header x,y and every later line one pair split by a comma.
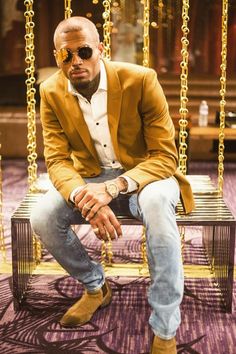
x,y
97,123
113,161
105,145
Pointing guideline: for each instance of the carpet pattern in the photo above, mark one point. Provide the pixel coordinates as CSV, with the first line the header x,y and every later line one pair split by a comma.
x,y
121,328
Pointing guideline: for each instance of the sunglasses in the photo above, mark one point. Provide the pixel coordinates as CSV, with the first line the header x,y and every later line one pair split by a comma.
x,y
65,55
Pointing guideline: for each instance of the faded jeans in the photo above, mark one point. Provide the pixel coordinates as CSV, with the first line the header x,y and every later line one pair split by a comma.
x,y
52,218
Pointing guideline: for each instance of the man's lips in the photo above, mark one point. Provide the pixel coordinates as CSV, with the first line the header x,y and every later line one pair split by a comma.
x,y
79,73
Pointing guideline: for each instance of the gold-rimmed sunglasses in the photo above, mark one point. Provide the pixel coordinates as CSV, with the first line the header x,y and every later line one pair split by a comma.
x,y
65,55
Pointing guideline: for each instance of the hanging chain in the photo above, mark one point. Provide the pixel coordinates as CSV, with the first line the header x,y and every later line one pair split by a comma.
x,y
107,29
183,122
182,239
30,93
222,94
160,12
106,246
2,239
106,253
68,11
146,22
144,248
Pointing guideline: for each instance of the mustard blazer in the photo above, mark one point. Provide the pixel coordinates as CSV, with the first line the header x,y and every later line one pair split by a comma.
x,y
141,129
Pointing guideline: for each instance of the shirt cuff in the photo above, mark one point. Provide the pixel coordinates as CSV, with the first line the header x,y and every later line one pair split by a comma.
x,y
132,185
74,192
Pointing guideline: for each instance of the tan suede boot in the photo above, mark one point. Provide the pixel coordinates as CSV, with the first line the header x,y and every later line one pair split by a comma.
x,y
162,346
83,310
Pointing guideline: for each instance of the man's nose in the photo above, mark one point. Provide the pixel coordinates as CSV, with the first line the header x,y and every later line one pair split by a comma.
x,y
76,59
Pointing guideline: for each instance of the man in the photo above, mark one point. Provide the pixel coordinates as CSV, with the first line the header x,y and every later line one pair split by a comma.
x,y
108,136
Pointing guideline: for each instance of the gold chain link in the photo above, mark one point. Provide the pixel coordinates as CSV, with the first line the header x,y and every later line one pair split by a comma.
x,y
144,248
103,254
146,22
107,29
106,247
68,11
222,94
106,253
2,239
30,94
183,122
109,251
182,239
160,12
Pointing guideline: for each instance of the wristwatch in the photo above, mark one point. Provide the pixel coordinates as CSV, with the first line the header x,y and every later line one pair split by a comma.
x,y
112,189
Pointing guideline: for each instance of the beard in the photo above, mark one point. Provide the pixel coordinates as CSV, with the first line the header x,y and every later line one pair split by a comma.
x,y
89,86
82,84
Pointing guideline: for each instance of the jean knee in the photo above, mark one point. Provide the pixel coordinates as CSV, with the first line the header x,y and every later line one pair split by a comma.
x,y
38,220
156,203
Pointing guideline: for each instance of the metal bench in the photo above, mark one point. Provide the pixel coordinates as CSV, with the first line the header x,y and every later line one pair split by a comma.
x,y
211,213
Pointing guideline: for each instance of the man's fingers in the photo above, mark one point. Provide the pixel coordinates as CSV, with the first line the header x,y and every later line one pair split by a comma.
x,y
100,232
116,225
106,221
92,211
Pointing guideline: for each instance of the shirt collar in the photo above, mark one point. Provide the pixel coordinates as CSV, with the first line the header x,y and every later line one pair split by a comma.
x,y
102,83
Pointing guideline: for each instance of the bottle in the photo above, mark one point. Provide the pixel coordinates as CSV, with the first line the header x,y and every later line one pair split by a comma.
x,y
203,114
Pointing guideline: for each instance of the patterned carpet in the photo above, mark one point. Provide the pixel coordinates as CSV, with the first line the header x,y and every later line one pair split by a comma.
x,y
122,327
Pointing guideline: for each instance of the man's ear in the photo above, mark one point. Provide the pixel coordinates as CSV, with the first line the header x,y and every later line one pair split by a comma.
x,y
55,56
101,48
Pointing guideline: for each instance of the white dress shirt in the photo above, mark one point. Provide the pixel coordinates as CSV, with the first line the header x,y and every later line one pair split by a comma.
x,y
95,115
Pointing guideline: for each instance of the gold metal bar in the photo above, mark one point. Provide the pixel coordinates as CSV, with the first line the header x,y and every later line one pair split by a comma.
x,y
2,238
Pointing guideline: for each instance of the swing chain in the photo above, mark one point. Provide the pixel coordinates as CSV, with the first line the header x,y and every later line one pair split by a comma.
x,y
68,11
30,94
146,22
183,122
222,94
107,28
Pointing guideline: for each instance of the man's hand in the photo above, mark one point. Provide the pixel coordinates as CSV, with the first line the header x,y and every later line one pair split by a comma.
x,y
105,222
91,198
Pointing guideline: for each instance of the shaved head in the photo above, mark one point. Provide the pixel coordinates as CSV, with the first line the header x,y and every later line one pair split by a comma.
x,y
76,24
71,38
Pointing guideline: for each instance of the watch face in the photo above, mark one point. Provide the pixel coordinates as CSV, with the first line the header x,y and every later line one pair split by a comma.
x,y
112,189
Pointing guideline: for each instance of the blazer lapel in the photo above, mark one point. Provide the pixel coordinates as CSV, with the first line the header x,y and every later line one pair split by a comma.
x,y
77,119
114,98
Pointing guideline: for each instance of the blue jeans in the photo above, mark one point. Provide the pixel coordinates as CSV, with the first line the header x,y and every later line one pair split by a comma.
x,y
52,218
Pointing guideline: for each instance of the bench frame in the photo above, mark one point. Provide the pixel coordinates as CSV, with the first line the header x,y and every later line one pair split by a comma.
x,y
219,227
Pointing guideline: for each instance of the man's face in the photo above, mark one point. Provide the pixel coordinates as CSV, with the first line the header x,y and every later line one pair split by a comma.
x,y
80,71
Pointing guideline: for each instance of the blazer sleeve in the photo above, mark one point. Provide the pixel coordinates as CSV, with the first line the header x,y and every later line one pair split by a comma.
x,y
57,150
159,135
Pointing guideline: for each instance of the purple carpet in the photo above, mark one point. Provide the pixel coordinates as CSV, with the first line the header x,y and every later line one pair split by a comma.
x,y
121,328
